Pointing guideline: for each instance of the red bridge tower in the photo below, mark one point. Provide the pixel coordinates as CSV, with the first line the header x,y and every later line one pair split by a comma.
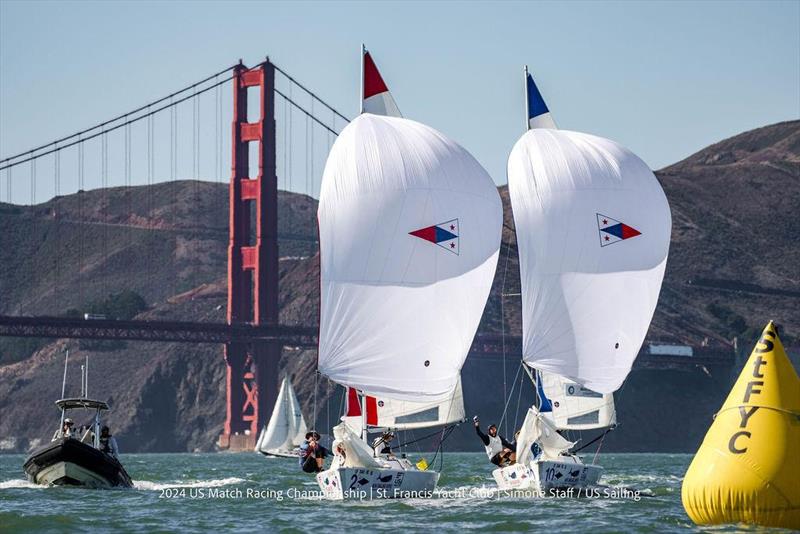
x,y
252,370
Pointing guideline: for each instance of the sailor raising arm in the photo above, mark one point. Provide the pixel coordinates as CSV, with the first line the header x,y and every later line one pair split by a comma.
x,y
498,449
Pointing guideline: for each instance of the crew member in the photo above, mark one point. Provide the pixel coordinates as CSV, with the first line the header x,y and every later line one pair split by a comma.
x,y
500,452
382,445
312,453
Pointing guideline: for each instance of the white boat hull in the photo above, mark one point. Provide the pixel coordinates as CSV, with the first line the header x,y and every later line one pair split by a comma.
x,y
546,475
280,454
362,483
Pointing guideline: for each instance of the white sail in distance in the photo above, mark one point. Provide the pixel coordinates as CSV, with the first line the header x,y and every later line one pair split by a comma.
x,y
287,427
593,230
410,229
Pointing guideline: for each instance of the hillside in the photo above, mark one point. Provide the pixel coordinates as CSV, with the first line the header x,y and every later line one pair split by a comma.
x,y
733,265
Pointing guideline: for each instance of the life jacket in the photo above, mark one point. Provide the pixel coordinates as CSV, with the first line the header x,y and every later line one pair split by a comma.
x,y
494,446
104,446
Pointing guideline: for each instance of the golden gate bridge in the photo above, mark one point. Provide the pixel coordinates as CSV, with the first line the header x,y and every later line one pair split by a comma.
x,y
280,132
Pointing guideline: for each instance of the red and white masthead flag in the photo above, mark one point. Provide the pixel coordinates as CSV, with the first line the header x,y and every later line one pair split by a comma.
x,y
377,98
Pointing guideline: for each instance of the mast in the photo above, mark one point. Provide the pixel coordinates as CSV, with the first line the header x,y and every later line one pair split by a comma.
x,y
527,102
364,417
361,90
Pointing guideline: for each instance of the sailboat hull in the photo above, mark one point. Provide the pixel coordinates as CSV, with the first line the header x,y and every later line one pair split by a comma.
x,y
545,475
346,483
280,454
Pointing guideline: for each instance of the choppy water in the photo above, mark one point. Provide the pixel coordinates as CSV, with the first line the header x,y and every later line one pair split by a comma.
x,y
176,492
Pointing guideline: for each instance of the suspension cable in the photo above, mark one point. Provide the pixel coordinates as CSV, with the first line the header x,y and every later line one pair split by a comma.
x,y
314,96
111,129
298,106
115,119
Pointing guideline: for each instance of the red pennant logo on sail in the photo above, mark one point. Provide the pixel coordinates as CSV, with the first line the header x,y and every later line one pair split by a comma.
x,y
444,235
613,231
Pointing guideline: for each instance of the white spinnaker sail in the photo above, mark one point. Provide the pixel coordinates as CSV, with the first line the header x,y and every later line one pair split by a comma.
x,y
593,229
279,433
402,294
576,407
405,415
299,427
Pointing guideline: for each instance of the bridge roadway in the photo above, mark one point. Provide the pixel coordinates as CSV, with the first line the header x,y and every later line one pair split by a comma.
x,y
485,344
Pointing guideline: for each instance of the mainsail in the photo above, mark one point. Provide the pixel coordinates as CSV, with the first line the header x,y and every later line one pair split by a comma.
x,y
402,294
573,406
387,413
593,230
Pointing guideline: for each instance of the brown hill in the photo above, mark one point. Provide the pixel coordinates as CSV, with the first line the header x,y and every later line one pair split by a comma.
x,y
733,265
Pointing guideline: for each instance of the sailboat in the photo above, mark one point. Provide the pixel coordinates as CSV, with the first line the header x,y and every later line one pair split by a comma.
x,y
401,294
593,230
286,429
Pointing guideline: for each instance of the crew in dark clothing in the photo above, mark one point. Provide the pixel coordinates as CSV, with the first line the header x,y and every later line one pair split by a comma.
x,y
312,453
500,452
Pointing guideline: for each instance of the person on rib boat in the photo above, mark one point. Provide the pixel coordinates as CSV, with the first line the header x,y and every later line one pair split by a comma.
x,y
500,452
66,430
108,443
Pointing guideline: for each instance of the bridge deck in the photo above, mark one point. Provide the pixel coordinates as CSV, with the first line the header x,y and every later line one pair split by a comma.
x,y
485,344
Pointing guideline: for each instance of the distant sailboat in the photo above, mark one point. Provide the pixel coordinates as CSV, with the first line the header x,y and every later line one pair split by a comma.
x,y
593,229
402,294
286,429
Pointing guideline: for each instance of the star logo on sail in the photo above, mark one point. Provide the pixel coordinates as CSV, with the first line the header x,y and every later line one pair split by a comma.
x,y
444,235
613,231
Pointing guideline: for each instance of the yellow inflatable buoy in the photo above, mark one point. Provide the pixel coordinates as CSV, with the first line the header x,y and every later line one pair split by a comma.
x,y
748,468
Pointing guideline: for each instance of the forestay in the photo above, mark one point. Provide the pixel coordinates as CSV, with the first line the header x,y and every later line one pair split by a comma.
x,y
593,230
409,238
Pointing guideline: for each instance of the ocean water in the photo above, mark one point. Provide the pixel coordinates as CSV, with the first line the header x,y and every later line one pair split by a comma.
x,y
247,492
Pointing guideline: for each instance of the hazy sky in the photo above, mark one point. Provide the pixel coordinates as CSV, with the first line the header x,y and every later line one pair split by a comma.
x,y
663,78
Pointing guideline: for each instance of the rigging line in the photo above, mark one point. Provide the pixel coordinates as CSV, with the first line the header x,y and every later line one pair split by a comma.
x,y
113,128
314,96
601,436
426,436
117,118
519,397
301,108
328,405
508,398
503,323
8,186
316,387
